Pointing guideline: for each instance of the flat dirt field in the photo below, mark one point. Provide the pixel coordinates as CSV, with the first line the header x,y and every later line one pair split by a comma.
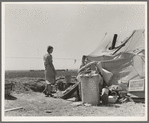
x,y
34,103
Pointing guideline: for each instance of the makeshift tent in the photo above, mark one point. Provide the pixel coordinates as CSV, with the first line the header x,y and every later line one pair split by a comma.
x,y
124,58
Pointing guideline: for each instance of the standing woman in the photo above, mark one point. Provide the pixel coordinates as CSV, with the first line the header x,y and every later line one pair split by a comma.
x,y
50,72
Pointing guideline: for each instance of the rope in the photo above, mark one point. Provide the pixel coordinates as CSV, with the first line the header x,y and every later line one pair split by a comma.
x,y
124,43
41,58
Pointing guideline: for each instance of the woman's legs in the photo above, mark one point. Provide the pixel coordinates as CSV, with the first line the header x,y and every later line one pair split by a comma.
x,y
45,90
48,89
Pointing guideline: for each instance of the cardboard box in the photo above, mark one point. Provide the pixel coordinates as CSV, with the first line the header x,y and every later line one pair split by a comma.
x,y
136,85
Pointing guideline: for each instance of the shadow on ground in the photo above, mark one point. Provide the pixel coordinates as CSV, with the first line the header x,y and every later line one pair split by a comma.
x,y
10,97
110,105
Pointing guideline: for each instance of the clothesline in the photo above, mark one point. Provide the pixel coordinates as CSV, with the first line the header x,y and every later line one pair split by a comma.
x,y
42,58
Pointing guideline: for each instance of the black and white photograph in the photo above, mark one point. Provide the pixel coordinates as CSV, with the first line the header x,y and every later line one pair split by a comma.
x,y
74,61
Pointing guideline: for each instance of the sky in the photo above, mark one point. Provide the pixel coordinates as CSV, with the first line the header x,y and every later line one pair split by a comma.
x,y
73,29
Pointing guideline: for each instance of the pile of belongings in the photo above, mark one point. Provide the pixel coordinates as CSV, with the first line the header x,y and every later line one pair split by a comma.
x,y
108,93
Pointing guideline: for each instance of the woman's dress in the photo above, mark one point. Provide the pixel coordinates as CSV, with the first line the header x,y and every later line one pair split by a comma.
x,y
49,69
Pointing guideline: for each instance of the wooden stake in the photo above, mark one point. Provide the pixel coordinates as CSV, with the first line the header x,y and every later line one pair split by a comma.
x,y
13,109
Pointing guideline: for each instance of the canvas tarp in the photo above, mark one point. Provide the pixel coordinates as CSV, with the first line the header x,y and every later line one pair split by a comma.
x,y
132,43
126,61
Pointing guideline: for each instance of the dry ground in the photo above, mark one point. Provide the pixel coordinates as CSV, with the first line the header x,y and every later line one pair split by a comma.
x,y
36,104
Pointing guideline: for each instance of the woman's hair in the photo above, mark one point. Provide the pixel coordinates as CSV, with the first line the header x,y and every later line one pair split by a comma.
x,y
49,48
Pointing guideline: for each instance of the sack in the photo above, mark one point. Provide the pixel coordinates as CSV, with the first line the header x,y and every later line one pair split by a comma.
x,y
107,76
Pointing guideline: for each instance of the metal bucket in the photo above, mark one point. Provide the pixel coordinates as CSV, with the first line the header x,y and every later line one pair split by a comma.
x,y
8,88
68,79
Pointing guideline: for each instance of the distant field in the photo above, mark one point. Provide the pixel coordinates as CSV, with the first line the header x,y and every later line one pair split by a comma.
x,y
35,73
31,79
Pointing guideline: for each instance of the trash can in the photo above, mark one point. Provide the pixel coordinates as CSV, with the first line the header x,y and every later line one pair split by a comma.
x,y
90,88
